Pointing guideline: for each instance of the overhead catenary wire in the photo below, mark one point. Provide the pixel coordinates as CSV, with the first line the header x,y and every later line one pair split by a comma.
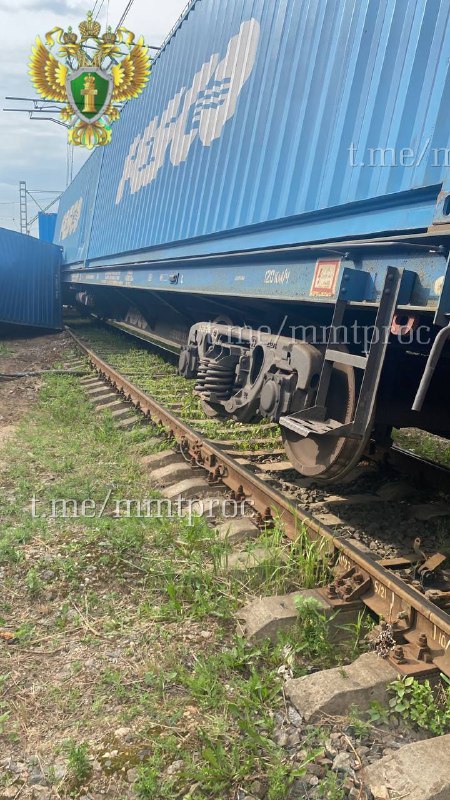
x,y
99,9
125,13
122,20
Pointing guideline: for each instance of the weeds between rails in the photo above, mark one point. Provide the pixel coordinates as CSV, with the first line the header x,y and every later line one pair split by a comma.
x,y
169,388
129,357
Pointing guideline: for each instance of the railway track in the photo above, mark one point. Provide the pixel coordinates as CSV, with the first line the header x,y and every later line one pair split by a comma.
x,y
408,590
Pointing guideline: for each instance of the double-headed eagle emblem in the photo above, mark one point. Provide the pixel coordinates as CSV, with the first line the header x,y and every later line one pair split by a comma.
x,y
100,73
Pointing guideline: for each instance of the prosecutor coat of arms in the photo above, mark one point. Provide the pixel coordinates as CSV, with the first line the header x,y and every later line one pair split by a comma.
x,y
97,74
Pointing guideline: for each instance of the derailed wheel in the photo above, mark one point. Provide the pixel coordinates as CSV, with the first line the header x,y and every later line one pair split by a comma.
x,y
328,458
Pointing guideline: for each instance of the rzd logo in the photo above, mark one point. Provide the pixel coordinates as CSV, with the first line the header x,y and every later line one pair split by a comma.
x,y
71,220
200,111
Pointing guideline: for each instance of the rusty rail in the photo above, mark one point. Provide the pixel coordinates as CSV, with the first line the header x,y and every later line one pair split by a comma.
x,y
421,627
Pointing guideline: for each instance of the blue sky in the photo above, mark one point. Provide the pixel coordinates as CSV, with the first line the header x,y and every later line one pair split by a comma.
x,y
36,151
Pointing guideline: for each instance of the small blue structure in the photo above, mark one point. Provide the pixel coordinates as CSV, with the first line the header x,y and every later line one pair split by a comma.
x,y
46,224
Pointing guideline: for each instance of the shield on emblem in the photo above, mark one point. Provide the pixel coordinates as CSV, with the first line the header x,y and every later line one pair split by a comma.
x,y
89,90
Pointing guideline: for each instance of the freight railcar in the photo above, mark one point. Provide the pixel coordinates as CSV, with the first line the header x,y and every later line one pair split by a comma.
x,y
277,205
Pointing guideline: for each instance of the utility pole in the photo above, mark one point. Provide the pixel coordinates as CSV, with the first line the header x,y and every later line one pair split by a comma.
x,y
24,194
69,163
23,207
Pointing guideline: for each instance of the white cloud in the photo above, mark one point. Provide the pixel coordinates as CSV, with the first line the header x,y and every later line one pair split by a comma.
x,y
36,151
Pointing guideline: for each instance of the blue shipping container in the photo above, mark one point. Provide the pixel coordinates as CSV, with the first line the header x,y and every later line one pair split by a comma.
x,y
76,209
269,123
30,292
46,224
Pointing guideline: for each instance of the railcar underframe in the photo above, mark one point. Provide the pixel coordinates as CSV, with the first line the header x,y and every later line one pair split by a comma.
x,y
337,343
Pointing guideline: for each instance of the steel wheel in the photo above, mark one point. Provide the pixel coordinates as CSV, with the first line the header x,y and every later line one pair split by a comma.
x,y
328,458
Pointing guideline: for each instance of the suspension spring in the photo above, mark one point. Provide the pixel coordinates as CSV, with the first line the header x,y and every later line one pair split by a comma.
x,y
215,378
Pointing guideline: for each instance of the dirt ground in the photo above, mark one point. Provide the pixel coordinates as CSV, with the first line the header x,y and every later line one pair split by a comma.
x,y
24,352
21,350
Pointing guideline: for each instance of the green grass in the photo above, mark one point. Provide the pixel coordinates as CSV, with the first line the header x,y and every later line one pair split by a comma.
x,y
77,760
149,603
426,707
288,566
5,350
424,444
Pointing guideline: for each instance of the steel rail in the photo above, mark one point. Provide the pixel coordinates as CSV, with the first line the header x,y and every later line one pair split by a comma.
x,y
384,592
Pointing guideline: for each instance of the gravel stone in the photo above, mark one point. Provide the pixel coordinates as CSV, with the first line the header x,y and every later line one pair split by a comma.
x,y
299,790
41,793
282,739
36,778
258,789
294,739
342,763
175,767
316,769
122,733
132,775
294,717
60,770
16,767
